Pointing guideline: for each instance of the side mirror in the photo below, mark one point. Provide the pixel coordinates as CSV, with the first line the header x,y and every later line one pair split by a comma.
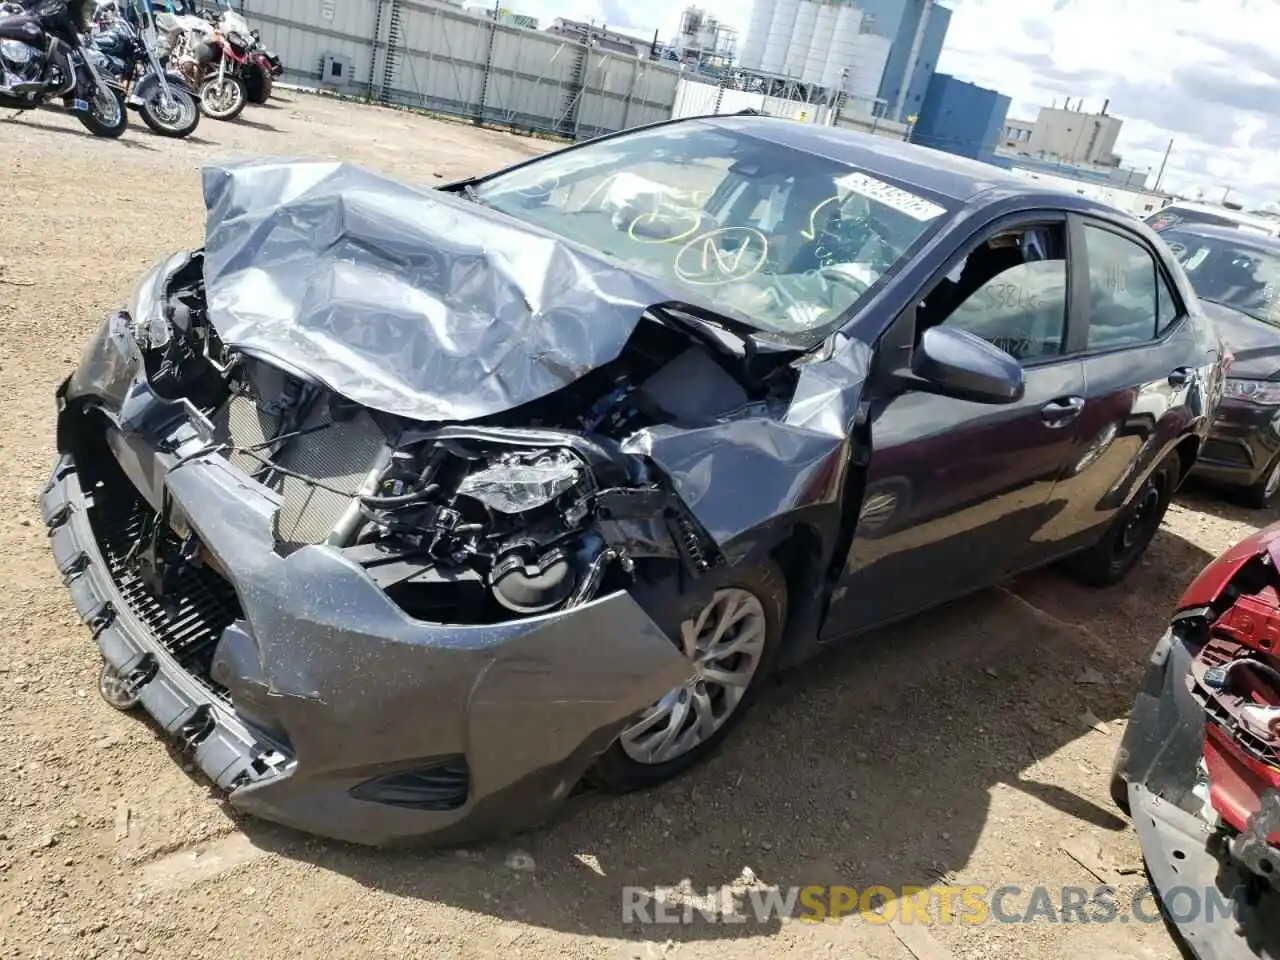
x,y
956,363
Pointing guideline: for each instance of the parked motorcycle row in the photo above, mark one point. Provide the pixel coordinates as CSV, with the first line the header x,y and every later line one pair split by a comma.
x,y
163,59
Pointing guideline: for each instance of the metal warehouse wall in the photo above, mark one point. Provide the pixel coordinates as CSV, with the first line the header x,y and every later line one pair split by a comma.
x,y
441,59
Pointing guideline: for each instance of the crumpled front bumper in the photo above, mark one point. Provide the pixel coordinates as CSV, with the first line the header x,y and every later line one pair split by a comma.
x,y
329,685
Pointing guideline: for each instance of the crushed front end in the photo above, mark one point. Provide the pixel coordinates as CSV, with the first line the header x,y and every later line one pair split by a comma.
x,y
1199,766
363,626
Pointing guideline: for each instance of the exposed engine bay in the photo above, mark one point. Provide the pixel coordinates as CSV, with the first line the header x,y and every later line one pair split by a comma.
x,y
523,513
1235,678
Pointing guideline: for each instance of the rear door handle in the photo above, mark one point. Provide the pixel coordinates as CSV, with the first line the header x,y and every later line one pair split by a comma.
x,y
1060,412
1179,376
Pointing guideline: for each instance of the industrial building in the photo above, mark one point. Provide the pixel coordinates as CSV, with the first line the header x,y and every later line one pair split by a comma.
x,y
602,38
882,51
961,118
1067,134
916,30
821,42
703,41
1068,141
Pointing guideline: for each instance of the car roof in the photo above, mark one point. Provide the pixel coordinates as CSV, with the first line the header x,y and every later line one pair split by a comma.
x,y
1234,235
1239,216
945,174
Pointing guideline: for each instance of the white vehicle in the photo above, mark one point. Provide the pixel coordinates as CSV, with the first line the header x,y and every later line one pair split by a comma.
x,y
1187,212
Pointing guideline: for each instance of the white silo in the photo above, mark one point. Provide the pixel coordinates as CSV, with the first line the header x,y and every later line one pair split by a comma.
x,y
781,30
801,34
757,34
869,55
836,26
819,42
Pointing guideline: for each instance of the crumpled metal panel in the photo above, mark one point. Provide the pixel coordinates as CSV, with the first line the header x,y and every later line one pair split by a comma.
x,y
414,302
742,471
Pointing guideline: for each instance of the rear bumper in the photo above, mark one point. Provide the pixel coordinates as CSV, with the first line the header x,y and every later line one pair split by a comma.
x,y
323,690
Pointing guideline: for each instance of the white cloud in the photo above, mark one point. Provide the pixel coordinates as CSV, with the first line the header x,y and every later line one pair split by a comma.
x,y
1187,69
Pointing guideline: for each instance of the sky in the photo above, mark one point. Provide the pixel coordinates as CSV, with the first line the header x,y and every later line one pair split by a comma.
x,y
1197,71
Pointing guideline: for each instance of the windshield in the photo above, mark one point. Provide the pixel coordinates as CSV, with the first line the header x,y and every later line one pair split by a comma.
x,y
782,240
1237,275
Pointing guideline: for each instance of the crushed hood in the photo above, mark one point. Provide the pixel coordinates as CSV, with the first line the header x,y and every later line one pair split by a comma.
x,y
414,302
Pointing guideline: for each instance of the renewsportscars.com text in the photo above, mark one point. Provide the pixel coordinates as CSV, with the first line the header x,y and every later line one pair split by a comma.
x,y
970,904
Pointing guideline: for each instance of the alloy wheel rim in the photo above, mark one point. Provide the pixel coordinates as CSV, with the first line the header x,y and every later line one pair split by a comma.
x,y
725,642
108,109
176,113
1273,482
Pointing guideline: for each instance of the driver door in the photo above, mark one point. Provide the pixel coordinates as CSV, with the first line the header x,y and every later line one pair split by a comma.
x,y
957,491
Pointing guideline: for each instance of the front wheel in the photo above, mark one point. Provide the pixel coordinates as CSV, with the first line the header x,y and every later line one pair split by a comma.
x,y
178,118
106,116
1126,540
731,631
223,99
1263,492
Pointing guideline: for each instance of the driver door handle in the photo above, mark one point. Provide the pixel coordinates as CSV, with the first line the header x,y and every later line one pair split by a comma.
x,y
1063,410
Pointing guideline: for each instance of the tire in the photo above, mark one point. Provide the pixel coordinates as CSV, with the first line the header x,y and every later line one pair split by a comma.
x,y
186,113
1108,562
1260,495
211,105
618,769
99,126
258,85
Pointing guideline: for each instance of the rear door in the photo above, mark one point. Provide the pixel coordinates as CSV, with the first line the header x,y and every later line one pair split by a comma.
x,y
957,490
1136,348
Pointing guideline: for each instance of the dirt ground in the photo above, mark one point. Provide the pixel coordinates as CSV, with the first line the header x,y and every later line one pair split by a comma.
x,y
969,744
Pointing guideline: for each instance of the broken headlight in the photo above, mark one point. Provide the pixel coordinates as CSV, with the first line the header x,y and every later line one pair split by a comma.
x,y
516,486
146,305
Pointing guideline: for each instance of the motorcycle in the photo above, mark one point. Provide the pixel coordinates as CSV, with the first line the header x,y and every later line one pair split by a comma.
x,y
122,49
43,58
213,54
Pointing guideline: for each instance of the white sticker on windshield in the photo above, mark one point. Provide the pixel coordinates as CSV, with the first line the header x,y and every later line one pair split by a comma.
x,y
918,208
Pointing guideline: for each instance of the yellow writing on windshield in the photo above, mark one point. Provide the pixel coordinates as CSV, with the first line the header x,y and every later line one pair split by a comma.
x,y
811,231
703,261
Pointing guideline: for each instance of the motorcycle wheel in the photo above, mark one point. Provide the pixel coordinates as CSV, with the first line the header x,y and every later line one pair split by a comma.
x,y
177,120
223,101
259,85
106,116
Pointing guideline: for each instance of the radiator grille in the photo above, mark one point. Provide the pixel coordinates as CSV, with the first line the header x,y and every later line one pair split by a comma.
x,y
201,605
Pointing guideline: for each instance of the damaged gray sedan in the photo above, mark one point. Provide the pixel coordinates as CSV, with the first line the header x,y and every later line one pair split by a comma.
x,y
408,511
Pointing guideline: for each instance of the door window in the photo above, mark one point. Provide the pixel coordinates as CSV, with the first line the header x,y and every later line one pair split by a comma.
x,y
1129,301
1011,291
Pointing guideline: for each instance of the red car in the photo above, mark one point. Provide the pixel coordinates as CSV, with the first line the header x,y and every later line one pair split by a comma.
x,y
1199,766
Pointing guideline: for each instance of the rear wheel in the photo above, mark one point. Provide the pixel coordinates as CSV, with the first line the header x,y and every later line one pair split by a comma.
x,y
258,85
106,116
731,630
1127,539
223,99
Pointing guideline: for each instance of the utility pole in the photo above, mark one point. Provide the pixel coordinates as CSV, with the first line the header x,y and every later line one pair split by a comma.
x,y
1160,175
